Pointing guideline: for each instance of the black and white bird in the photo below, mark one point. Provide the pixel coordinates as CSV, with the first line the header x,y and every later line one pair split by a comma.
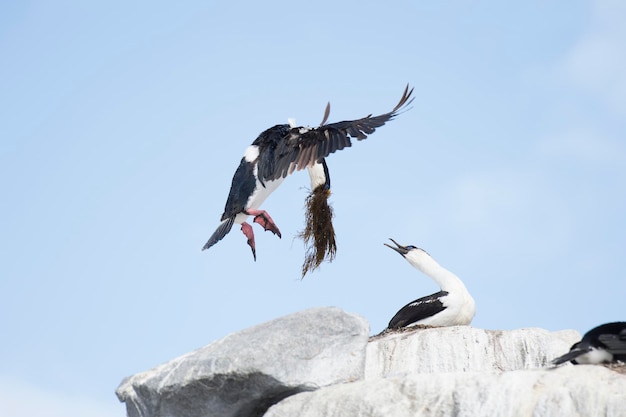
x,y
452,306
602,344
278,152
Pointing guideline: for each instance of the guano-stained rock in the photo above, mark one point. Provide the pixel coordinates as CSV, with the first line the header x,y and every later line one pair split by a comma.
x,y
464,348
320,363
582,391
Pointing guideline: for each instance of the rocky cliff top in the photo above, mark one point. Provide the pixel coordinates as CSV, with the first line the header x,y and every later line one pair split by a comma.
x,y
321,362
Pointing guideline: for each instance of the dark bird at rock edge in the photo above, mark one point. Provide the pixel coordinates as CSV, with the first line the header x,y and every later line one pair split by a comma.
x,y
277,153
451,306
603,344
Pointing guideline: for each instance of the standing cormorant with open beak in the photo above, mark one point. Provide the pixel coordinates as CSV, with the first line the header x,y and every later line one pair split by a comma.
x,y
452,306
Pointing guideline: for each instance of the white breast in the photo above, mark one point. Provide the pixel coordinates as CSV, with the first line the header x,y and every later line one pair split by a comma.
x,y
460,310
258,196
594,356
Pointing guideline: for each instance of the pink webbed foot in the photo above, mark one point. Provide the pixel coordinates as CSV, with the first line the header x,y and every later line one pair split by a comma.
x,y
261,217
247,230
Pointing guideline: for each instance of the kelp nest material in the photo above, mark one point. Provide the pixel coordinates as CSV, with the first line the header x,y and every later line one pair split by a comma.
x,y
319,233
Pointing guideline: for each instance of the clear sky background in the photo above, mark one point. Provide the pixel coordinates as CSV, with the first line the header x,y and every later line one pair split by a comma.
x,y
121,124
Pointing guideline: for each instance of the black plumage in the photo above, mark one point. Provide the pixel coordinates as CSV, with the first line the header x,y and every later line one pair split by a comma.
x,y
279,151
283,149
416,310
603,344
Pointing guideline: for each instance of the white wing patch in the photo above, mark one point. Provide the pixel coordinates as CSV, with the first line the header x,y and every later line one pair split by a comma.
x,y
251,154
430,301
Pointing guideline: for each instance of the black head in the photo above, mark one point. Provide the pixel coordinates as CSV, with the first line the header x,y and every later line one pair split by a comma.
x,y
402,250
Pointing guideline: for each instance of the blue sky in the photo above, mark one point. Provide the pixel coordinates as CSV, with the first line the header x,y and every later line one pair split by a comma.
x,y
122,125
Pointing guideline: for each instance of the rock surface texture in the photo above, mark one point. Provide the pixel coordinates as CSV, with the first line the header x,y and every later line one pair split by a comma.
x,y
464,348
569,391
320,362
246,372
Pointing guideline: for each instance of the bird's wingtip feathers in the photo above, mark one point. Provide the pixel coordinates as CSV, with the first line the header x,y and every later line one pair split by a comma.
x,y
405,100
326,114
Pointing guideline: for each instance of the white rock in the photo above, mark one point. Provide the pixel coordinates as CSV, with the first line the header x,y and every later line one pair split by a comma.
x,y
582,391
319,363
464,348
246,372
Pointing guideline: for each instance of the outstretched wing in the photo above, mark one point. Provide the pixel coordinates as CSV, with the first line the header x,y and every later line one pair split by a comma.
x,y
304,147
417,310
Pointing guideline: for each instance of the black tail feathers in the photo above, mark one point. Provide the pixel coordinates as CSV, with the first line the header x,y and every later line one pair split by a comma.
x,y
221,231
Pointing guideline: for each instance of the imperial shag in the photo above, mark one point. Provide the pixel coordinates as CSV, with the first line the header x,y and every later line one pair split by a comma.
x,y
602,344
278,152
452,306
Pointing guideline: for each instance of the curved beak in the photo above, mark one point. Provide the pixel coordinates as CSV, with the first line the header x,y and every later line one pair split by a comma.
x,y
402,250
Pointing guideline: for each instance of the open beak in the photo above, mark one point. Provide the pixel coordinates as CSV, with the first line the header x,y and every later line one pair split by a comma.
x,y
402,250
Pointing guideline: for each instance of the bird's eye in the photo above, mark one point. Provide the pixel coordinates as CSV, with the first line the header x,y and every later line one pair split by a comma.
x,y
411,247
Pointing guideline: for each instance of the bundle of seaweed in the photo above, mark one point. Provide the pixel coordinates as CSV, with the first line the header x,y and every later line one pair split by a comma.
x,y
319,233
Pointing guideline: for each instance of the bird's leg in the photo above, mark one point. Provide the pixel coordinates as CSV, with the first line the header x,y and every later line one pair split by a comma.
x,y
263,218
247,230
